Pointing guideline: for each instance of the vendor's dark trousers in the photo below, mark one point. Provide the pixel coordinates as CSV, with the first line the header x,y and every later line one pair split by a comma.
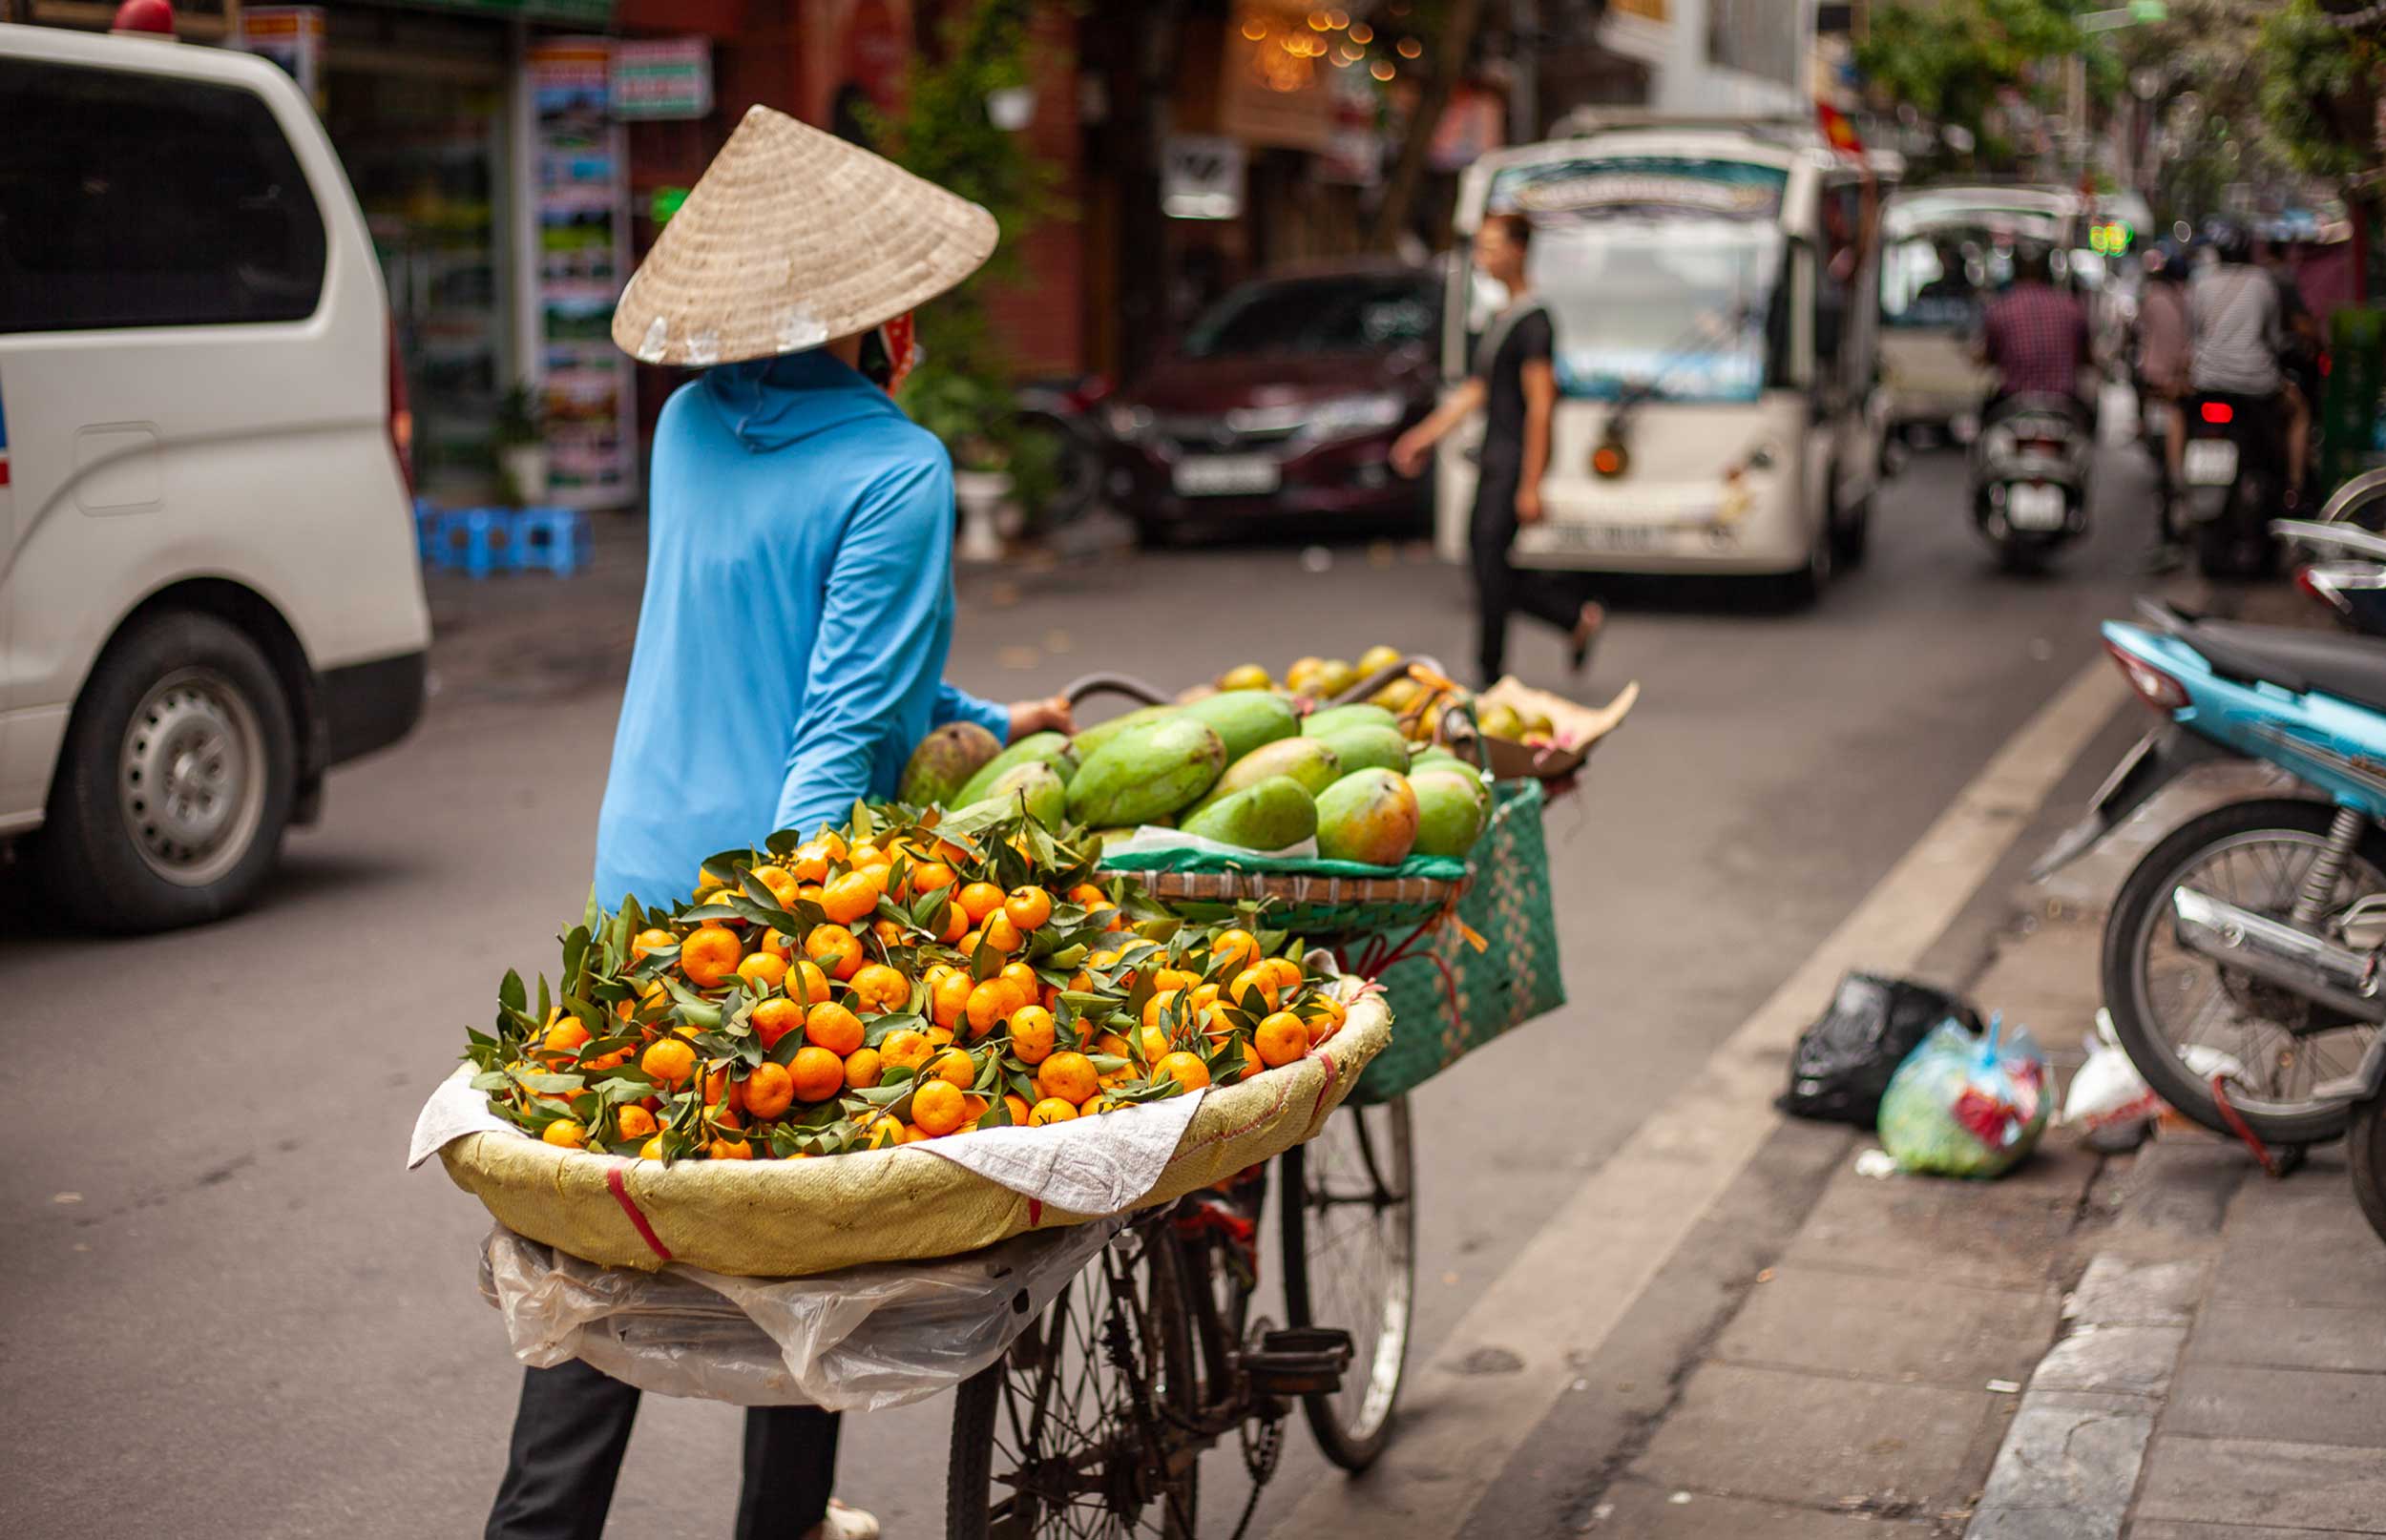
x,y
1501,589
567,1439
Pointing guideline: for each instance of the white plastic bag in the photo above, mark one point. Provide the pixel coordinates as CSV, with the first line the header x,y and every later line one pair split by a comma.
x,y
2107,1090
860,1340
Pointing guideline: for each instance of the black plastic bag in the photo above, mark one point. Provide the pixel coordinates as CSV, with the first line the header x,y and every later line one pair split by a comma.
x,y
1844,1061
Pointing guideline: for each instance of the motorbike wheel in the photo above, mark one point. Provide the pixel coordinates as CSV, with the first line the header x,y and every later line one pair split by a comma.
x,y
2165,1000
2365,1151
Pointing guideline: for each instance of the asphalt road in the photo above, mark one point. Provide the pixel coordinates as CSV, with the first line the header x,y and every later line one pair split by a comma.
x,y
225,1309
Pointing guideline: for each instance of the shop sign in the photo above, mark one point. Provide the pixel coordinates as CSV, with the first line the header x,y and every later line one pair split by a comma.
x,y
1200,176
291,36
1474,122
665,77
1641,187
581,201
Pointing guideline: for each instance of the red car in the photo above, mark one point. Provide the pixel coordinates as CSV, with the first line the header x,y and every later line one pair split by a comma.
x,y
1283,399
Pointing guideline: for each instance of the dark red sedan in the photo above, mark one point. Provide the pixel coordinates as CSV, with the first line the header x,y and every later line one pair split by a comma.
x,y
1283,399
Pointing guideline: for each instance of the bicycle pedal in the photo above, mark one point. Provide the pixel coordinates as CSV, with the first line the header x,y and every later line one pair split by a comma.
x,y
1299,1361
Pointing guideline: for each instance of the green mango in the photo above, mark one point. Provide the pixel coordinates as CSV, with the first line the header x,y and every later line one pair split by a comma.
x,y
1333,718
1361,746
1449,816
1046,795
942,763
1307,760
1271,814
1244,718
1367,816
1442,759
1146,771
1089,741
1036,748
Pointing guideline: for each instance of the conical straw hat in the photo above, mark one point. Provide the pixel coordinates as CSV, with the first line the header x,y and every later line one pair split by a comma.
x,y
792,236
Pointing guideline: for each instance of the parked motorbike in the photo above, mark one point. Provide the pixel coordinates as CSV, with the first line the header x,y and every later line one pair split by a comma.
x,y
2343,565
2030,477
2242,958
2234,469
1064,410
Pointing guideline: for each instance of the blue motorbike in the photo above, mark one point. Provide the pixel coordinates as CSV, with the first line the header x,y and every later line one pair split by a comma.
x,y
2245,957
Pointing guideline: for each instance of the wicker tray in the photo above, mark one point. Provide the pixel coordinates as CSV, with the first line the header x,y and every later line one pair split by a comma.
x,y
792,1218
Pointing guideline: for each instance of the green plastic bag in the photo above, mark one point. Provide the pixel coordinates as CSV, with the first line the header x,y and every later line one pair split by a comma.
x,y
1966,1105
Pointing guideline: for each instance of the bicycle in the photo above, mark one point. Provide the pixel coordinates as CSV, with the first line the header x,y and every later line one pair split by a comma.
x,y
1094,1423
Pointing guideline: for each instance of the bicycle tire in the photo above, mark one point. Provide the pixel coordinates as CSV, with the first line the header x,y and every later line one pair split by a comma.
x,y
2135,913
1353,1432
971,1501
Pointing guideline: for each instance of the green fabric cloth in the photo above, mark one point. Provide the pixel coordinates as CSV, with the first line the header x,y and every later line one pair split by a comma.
x,y
1190,858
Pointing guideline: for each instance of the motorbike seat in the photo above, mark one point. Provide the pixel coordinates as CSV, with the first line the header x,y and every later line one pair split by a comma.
x,y
2351,668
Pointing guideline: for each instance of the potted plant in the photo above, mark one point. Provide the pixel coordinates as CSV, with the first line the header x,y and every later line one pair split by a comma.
x,y
964,413
519,435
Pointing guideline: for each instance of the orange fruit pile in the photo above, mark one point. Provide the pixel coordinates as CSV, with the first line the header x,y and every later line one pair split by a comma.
x,y
888,983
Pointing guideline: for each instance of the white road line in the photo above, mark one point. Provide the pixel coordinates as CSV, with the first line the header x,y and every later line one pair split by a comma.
x,y
1564,1293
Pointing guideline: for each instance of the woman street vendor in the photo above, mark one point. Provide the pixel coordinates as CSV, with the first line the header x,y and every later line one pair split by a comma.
x,y
791,643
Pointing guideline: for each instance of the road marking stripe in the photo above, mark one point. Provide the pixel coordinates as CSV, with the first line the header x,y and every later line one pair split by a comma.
x,y
1559,1299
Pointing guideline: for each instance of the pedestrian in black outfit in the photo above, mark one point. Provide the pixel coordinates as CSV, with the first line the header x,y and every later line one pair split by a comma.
x,y
1515,386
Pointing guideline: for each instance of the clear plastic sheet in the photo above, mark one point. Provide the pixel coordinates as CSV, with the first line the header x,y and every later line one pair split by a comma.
x,y
860,1339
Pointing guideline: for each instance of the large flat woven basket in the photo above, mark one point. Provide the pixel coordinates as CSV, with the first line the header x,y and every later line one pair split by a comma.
x,y
1318,908
792,1218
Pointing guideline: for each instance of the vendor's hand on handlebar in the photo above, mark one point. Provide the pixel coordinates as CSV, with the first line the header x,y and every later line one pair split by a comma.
x,y
1047,716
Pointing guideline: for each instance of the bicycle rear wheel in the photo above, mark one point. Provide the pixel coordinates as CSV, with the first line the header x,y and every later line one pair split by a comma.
x,y
1349,1261
1070,1432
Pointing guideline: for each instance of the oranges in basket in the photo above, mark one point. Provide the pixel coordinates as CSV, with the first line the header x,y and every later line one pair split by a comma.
x,y
891,982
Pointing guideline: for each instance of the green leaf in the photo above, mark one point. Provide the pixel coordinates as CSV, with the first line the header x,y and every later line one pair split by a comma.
x,y
509,992
491,1080
878,1028
551,1085
985,963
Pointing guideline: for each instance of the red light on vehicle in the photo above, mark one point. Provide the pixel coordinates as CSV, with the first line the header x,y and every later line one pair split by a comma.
x,y
1609,460
400,419
2154,687
2219,411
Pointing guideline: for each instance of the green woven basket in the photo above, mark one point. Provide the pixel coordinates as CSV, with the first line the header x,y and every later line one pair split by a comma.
x,y
1322,900
1438,1017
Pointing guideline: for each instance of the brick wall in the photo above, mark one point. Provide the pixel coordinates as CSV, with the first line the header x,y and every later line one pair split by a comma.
x,y
1042,316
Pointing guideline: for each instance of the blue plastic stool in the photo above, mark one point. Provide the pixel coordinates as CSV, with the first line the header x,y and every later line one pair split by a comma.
x,y
551,540
479,540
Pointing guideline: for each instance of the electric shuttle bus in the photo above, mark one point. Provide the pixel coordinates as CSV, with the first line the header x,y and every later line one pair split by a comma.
x,y
1710,287
1945,250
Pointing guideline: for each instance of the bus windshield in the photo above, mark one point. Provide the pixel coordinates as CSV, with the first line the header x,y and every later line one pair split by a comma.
x,y
1940,275
1672,309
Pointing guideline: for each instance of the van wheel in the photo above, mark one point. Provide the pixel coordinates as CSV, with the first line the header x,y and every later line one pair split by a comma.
x,y
175,781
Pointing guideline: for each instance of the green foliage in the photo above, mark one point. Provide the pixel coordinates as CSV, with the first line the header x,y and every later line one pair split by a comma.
x,y
961,390
2320,88
1949,59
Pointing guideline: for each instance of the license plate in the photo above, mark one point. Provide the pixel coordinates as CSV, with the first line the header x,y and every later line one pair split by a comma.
x,y
2211,461
1228,475
1602,536
2029,506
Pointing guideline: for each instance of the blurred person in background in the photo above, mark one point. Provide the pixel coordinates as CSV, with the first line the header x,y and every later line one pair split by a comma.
x,y
2164,352
2299,363
2236,321
2036,336
1513,383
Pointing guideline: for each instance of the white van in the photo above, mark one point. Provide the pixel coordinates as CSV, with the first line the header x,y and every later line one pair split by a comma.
x,y
1709,285
209,592
1945,251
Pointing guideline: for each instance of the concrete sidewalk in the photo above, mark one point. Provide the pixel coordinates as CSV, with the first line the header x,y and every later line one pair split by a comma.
x,y
2166,1345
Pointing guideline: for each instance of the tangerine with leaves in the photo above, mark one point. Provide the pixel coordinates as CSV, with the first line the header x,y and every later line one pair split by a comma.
x,y
1031,1034
709,955
882,988
938,1107
862,1069
670,1061
835,949
1069,1075
770,1087
816,1074
831,1026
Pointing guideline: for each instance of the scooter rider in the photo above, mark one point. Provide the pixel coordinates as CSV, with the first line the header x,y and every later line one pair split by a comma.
x,y
2235,320
2036,336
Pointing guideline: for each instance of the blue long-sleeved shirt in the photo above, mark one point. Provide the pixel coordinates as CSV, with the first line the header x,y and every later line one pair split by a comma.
x,y
799,607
